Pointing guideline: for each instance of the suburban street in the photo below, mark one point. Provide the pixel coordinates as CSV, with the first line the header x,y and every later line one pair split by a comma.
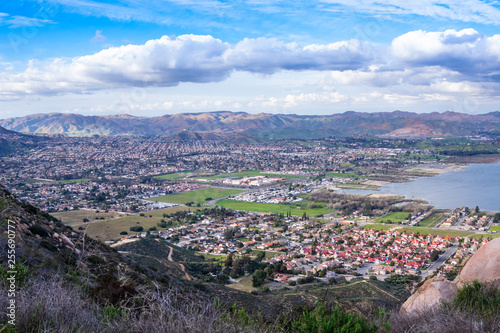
x,y
442,258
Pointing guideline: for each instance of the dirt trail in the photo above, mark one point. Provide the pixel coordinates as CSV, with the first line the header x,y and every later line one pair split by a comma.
x,y
186,275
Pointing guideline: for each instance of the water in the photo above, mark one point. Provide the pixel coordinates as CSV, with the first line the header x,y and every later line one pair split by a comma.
x,y
475,185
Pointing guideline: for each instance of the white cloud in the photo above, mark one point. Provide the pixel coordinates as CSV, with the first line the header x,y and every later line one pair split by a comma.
x,y
461,10
99,37
465,51
16,21
170,61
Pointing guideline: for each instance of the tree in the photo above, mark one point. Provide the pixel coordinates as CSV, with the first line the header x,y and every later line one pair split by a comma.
x,y
258,277
313,247
260,256
229,260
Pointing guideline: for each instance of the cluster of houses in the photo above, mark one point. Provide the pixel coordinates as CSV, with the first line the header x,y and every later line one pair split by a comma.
x,y
323,250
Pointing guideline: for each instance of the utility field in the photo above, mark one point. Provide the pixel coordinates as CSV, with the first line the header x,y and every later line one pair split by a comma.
x,y
198,196
275,208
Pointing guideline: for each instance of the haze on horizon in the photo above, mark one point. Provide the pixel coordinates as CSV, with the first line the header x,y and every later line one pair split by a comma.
x,y
307,57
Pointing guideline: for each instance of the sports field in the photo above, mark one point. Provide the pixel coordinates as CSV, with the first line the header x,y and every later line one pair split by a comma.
x,y
297,209
198,196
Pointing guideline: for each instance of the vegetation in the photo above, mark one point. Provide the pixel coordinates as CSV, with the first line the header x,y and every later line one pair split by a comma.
x,y
337,321
297,209
348,203
198,196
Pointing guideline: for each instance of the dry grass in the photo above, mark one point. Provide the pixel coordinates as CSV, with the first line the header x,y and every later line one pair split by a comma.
x,y
444,319
52,305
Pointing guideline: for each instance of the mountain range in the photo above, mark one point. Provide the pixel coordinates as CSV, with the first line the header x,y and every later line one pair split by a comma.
x,y
262,125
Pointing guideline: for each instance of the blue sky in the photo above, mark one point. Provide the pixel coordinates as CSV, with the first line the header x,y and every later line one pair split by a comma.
x,y
304,57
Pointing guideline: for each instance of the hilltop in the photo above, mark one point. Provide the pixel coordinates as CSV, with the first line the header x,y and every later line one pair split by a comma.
x,y
213,125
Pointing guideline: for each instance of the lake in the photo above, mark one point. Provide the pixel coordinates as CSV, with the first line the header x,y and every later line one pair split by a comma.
x,y
475,185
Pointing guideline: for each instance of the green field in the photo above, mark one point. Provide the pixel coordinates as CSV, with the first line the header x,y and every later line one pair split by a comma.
x,y
178,175
341,175
358,186
494,228
250,173
171,176
396,217
426,231
273,208
432,220
72,181
198,196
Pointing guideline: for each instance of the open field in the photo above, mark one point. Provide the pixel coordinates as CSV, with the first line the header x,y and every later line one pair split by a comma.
x,y
160,212
358,186
274,208
432,220
244,284
396,217
341,175
178,175
251,173
494,228
426,231
198,196
110,229
76,216
171,176
72,181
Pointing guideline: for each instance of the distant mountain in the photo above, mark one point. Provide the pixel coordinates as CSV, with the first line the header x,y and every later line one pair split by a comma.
x,y
264,125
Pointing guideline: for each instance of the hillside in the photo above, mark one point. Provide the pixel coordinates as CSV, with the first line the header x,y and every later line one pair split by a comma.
x,y
66,281
215,125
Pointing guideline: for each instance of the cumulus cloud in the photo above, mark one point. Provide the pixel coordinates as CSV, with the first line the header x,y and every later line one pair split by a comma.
x,y
465,51
169,61
447,62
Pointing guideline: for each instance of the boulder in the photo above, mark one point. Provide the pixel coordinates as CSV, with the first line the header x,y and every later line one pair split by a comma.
x,y
430,294
483,266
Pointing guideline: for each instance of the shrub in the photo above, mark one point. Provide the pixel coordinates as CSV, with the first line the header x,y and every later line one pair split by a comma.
x,y
336,321
478,298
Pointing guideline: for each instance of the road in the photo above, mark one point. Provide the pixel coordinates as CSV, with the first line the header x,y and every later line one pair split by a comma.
x,y
442,258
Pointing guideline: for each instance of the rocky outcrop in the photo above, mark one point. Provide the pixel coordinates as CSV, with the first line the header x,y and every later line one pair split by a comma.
x,y
483,266
430,294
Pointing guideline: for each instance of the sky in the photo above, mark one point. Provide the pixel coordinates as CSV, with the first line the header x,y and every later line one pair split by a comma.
x,y
149,58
